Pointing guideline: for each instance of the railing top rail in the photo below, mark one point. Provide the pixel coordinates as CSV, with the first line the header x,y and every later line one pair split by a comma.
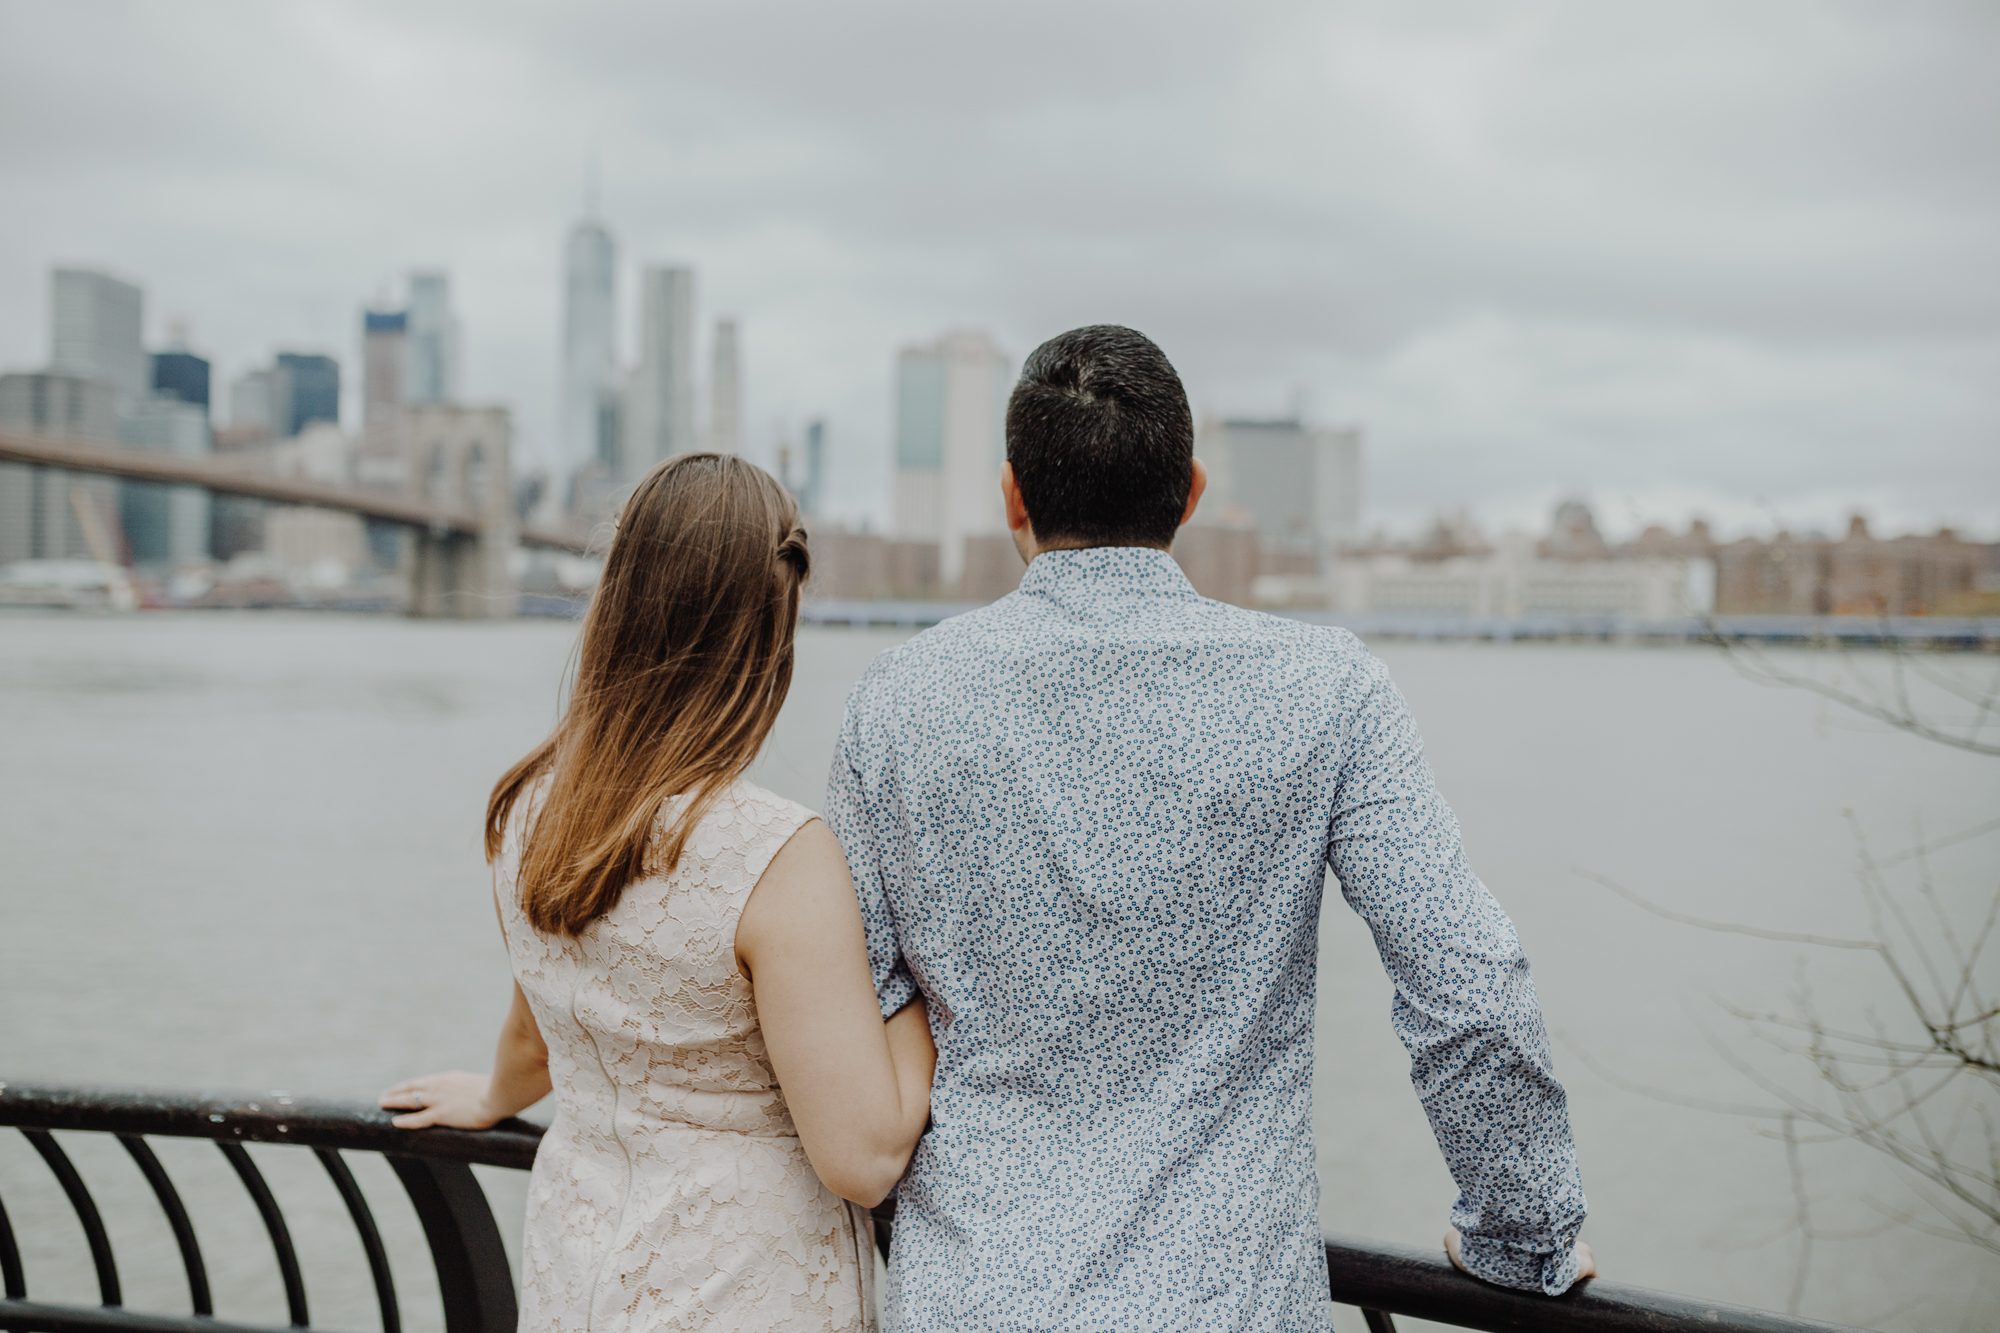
x,y
1422,1284
266,1117
1371,1274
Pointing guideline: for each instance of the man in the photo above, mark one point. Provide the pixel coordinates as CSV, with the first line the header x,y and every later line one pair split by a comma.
x,y
1092,823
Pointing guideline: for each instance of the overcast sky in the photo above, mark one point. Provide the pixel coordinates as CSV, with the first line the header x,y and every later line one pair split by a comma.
x,y
1735,259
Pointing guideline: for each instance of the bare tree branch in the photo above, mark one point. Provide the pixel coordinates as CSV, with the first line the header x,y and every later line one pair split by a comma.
x,y
1893,706
1722,927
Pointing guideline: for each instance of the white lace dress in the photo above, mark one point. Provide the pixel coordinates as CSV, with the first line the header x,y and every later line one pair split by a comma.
x,y
671,1191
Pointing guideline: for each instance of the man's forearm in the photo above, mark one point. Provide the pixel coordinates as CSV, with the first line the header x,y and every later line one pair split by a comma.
x,y
1502,1122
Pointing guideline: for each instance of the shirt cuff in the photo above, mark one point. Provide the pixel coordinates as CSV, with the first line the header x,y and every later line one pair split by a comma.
x,y
896,990
1509,1265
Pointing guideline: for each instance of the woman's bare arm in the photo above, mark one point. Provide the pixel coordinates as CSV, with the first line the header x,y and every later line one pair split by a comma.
x,y
859,1089
520,1078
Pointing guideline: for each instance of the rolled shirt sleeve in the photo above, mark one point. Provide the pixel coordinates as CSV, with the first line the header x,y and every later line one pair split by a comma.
x,y
847,814
1464,1007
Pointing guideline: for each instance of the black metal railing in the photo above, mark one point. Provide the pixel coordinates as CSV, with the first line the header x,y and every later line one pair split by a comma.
x,y
434,1167
477,1289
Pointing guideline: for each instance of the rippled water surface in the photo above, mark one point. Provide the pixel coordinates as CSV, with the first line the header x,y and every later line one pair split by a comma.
x,y
242,851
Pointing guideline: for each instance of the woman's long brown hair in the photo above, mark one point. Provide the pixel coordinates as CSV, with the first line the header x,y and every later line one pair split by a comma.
x,y
685,660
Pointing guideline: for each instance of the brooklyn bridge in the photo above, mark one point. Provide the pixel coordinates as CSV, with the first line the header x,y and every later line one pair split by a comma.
x,y
459,511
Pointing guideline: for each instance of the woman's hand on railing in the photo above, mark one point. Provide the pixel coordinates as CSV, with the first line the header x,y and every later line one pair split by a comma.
x,y
1586,1262
457,1100
520,1078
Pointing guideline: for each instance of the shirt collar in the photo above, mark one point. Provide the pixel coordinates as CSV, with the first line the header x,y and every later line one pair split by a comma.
x,y
1119,570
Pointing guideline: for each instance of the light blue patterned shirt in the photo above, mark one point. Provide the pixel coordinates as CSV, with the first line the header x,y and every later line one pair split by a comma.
x,y
1092,822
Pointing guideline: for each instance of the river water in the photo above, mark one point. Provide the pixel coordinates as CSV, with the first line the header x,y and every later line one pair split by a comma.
x,y
242,851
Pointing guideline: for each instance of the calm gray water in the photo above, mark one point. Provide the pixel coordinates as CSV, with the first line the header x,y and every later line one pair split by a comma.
x,y
243,852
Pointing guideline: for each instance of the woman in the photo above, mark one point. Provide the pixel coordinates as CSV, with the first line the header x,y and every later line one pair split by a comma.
x,y
648,895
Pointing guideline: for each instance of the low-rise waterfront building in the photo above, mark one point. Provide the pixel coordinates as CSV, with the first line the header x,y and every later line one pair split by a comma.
x,y
1856,575
1516,579
1572,570
993,567
1219,559
867,566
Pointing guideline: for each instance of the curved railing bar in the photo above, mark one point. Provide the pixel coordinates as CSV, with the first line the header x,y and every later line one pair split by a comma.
x,y
473,1278
1405,1280
86,1212
177,1218
12,1278
269,1117
371,1239
274,1222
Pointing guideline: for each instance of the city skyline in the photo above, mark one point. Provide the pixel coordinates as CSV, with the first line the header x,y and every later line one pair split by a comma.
x,y
674,308
1681,263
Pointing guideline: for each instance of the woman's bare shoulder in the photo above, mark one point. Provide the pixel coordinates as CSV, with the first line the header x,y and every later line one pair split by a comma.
x,y
810,857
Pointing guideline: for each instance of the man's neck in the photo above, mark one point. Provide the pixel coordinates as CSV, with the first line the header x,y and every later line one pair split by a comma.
x,y
1031,546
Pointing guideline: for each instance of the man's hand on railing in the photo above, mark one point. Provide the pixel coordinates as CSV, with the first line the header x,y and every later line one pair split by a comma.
x,y
1586,1262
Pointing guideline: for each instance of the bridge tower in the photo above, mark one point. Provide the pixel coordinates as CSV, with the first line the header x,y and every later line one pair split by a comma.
x,y
460,460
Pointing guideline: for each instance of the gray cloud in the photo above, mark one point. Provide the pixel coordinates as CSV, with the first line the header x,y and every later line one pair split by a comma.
x,y
1712,256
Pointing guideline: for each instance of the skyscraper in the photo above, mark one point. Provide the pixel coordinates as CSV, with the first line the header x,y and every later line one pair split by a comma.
x,y
305,387
725,390
165,525
182,376
433,340
169,525
588,429
810,494
47,513
951,438
659,413
98,374
384,365
95,324
1301,484
251,402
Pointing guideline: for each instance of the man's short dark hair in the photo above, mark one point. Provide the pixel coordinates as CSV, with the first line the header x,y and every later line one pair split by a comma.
x,y
1101,439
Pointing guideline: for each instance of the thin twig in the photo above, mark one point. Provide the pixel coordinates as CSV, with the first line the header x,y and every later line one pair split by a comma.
x,y
1802,1216
1723,927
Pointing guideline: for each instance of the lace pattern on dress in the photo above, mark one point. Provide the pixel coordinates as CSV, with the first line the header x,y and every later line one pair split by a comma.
x,y
671,1191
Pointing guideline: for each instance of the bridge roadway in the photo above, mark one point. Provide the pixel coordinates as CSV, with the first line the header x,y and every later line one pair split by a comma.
x,y
226,478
